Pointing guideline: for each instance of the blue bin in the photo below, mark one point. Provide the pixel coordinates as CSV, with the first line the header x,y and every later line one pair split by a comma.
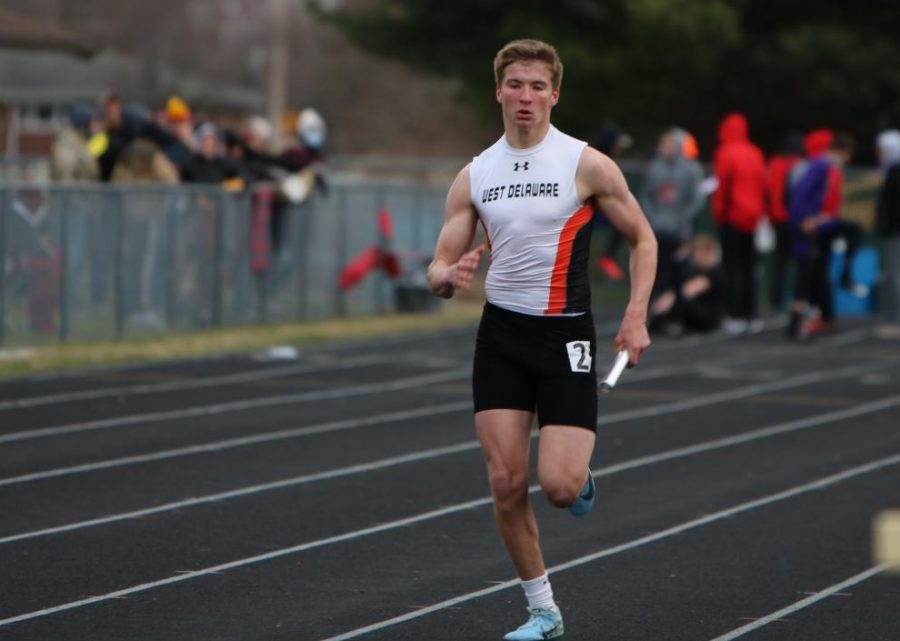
x,y
864,271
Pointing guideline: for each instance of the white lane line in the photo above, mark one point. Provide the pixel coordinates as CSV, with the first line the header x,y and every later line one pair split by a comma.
x,y
698,448
243,441
653,410
196,383
269,401
799,605
747,391
818,484
413,457
243,405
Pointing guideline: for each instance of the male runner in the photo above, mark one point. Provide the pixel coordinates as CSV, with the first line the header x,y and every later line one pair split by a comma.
x,y
534,191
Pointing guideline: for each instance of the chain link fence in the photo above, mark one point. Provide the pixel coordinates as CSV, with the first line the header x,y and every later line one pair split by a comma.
x,y
101,262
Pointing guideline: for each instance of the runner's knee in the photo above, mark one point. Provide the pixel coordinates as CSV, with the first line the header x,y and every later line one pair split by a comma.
x,y
561,489
509,487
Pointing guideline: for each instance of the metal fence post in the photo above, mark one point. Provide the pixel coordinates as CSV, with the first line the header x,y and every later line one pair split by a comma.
x,y
384,284
118,264
218,253
304,223
63,293
418,215
169,262
341,250
4,207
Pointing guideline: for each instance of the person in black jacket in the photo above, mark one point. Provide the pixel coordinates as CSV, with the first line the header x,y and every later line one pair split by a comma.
x,y
888,217
697,302
208,164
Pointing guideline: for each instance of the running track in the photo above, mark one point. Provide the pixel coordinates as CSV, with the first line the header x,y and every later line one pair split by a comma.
x,y
342,496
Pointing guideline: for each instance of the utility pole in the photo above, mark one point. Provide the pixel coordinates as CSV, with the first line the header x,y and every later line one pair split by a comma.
x,y
278,64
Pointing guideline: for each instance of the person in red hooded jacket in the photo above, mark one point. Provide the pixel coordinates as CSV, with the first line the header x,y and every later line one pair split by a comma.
x,y
738,204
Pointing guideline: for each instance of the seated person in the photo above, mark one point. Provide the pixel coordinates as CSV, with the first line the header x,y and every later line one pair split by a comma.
x,y
696,303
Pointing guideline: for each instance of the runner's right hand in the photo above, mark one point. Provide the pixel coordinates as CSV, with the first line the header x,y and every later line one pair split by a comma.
x,y
462,272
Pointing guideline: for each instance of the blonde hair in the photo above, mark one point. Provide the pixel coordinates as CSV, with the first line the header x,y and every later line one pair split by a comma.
x,y
527,50
707,242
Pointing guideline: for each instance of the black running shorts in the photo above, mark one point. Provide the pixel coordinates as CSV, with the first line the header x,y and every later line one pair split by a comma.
x,y
542,364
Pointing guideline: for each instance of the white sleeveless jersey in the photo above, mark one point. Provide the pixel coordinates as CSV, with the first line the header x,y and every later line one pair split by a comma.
x,y
538,232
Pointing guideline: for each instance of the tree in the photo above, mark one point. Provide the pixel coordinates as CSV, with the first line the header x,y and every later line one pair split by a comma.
x,y
653,63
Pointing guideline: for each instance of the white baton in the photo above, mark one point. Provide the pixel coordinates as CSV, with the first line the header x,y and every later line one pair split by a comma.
x,y
615,372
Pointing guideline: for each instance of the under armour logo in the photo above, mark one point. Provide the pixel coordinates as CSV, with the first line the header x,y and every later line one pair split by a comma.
x,y
523,165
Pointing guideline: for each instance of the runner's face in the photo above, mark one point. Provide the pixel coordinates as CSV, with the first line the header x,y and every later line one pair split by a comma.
x,y
526,94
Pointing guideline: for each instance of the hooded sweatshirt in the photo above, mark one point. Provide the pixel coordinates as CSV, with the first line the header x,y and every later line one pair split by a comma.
x,y
740,200
780,166
815,189
669,194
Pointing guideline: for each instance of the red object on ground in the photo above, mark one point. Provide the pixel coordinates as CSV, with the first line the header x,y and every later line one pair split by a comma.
x,y
359,268
368,260
375,257
385,224
609,267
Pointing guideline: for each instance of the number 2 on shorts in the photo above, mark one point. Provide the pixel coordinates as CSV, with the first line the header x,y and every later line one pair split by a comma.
x,y
579,355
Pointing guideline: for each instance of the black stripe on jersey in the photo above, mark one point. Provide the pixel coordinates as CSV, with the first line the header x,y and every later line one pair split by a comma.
x,y
578,287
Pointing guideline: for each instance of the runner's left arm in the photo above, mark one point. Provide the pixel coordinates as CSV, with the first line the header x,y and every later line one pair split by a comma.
x,y
600,180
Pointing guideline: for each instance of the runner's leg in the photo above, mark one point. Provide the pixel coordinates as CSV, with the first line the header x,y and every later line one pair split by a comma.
x,y
505,437
564,457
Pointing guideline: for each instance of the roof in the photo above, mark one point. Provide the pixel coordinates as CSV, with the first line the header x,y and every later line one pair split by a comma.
x,y
21,32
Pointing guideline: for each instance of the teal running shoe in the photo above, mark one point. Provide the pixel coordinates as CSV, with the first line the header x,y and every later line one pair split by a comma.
x,y
544,623
585,500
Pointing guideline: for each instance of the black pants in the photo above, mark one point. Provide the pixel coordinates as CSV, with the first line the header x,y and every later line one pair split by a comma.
x,y
739,265
782,259
814,275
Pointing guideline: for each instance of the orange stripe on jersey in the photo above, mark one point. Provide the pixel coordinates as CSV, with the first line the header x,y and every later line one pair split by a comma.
x,y
486,234
559,279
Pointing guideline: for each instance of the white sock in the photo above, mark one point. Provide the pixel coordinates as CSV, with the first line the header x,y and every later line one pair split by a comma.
x,y
539,593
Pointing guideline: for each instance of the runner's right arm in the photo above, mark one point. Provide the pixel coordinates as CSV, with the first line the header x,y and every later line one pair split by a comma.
x,y
453,266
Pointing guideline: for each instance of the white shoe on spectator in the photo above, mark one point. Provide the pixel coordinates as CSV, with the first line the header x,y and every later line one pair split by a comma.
x,y
734,326
756,326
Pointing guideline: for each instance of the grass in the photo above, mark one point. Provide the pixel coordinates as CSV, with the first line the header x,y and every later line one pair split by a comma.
x,y
23,361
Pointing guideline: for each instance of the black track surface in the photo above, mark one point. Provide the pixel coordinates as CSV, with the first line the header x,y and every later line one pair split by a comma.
x,y
239,499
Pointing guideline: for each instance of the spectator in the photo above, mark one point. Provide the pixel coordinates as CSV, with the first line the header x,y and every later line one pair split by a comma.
x,y
250,149
670,198
177,124
300,166
780,166
141,160
208,164
71,161
696,302
738,203
888,217
308,150
814,204
111,140
70,157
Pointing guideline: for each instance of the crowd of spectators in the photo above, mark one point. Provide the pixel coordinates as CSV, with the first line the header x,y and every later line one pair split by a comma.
x,y
790,205
120,142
